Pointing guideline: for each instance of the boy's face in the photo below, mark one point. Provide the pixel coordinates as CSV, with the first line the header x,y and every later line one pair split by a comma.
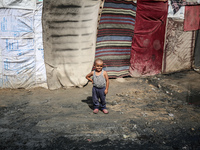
x,y
98,66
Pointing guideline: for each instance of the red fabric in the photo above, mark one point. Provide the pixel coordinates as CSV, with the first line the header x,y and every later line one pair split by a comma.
x,y
148,39
192,18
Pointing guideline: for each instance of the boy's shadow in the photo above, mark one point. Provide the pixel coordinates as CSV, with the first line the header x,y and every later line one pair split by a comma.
x,y
88,101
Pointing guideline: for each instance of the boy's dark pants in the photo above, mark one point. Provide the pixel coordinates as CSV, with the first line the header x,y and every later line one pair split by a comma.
x,y
98,93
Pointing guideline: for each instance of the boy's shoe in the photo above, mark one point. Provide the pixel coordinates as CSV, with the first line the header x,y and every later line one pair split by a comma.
x,y
95,111
105,111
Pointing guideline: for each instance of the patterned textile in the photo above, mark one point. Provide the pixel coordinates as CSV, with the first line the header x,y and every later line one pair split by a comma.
x,y
180,14
148,40
192,18
115,36
179,47
176,4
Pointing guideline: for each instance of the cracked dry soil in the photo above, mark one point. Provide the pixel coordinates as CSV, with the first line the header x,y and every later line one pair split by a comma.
x,y
141,116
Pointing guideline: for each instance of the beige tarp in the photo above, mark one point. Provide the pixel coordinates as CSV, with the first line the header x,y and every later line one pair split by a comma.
x,y
69,40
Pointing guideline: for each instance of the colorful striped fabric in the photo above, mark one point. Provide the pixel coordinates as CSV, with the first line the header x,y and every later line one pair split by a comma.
x,y
114,37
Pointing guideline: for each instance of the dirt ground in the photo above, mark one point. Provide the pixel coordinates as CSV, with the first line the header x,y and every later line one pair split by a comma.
x,y
160,112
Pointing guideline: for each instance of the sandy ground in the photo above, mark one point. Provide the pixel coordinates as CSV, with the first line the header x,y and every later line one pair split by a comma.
x,y
160,112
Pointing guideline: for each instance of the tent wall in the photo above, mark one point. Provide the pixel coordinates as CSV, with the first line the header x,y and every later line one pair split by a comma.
x,y
178,54
148,40
69,40
115,36
21,48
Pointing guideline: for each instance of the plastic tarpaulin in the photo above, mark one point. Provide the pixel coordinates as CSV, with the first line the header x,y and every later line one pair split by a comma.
x,y
16,23
22,4
148,39
114,37
40,70
192,18
179,47
70,29
21,49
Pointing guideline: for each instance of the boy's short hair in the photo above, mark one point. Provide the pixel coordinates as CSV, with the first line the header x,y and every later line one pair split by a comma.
x,y
98,59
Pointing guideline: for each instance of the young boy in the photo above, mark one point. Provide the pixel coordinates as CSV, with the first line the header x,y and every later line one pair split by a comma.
x,y
100,86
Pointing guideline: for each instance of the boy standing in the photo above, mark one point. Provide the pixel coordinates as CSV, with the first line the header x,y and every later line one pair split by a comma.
x,y
100,86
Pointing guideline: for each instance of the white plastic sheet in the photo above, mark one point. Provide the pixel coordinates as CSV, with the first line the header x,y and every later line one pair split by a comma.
x,y
40,69
18,72
21,49
14,47
1,71
18,64
16,23
22,4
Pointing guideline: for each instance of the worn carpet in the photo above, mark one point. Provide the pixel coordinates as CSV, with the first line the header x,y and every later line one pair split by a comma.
x,y
114,36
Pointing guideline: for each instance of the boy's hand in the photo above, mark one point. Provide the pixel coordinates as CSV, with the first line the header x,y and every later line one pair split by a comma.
x,y
106,91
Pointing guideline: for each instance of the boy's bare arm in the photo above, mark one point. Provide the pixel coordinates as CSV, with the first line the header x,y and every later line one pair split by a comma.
x,y
107,81
89,75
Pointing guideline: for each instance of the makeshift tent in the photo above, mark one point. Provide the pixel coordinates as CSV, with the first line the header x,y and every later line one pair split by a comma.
x,y
21,48
148,40
69,41
115,36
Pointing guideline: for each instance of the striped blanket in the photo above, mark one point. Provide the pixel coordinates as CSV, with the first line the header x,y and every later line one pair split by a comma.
x,y
115,36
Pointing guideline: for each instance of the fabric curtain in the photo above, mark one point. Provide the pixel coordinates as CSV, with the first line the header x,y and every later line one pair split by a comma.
x,y
148,39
